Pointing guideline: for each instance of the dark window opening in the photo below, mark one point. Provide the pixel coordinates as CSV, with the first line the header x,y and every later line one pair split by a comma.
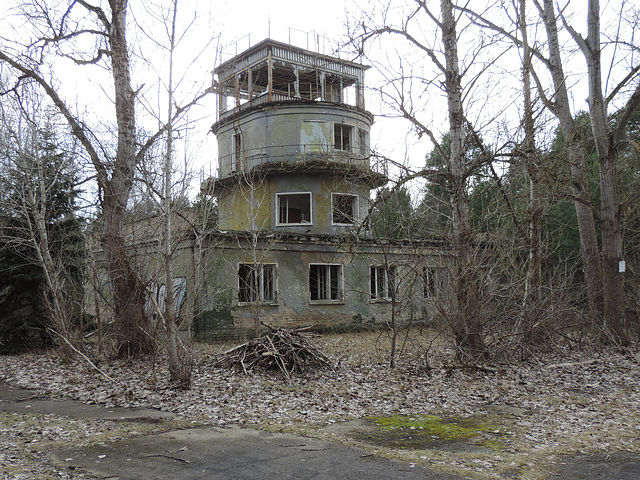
x,y
383,281
294,208
344,209
256,283
433,282
363,139
237,152
325,282
342,137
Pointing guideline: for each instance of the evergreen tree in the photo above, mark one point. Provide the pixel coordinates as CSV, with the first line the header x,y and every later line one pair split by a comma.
x,y
393,215
24,314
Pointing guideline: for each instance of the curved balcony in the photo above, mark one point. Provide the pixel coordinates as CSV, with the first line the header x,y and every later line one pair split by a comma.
x,y
301,158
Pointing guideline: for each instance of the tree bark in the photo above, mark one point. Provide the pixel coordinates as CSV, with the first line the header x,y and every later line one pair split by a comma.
x,y
177,373
589,250
531,302
128,288
467,322
607,148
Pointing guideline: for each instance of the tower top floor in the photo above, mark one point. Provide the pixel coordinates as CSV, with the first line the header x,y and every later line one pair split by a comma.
x,y
272,71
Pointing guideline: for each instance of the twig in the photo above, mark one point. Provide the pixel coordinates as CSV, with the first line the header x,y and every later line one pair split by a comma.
x,y
87,359
167,456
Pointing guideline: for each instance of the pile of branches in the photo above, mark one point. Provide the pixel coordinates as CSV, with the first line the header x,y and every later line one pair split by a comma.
x,y
286,351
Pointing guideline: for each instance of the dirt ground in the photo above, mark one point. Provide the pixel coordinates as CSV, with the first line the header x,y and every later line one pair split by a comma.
x,y
570,413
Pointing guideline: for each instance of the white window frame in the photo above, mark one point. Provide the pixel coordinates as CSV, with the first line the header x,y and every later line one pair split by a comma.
x,y
277,209
356,207
257,270
339,144
379,280
327,287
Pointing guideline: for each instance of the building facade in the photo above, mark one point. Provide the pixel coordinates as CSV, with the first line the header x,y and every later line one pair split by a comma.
x,y
293,190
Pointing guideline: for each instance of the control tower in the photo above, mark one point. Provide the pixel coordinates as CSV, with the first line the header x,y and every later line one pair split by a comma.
x,y
293,142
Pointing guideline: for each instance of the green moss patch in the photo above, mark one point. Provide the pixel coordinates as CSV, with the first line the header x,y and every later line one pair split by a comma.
x,y
421,431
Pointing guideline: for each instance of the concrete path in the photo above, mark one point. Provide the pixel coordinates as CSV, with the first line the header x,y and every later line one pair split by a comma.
x,y
244,454
235,453
208,453
17,400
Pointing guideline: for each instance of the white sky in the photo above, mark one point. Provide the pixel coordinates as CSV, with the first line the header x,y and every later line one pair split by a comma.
x,y
249,22
302,23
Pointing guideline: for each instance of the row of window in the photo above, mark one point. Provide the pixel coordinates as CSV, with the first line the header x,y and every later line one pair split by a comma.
x,y
257,282
295,208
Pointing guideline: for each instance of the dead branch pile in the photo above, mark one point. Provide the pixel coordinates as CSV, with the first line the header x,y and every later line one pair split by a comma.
x,y
286,351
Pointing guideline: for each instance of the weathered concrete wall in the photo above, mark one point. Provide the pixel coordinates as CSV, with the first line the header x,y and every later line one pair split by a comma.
x,y
293,305
251,205
282,132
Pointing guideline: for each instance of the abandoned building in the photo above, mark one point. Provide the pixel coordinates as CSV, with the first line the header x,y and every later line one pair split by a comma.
x,y
293,184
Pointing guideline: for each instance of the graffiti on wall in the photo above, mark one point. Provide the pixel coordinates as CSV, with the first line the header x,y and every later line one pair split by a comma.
x,y
159,294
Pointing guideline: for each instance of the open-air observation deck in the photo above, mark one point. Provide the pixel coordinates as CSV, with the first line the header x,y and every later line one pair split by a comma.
x,y
282,106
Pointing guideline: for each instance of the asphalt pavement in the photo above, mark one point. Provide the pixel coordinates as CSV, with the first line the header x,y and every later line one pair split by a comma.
x,y
214,453
234,453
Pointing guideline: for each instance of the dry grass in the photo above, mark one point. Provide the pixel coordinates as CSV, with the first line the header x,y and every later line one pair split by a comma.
x,y
556,405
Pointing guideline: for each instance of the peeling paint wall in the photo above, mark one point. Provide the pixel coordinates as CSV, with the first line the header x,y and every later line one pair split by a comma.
x,y
293,306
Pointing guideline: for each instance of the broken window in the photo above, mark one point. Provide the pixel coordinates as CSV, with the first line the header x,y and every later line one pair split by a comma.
x,y
294,208
434,281
344,208
342,137
383,281
256,283
325,282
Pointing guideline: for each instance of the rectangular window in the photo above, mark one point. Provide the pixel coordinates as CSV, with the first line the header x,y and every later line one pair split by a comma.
x,y
342,137
256,283
325,282
383,281
237,152
434,282
315,136
293,208
363,140
344,208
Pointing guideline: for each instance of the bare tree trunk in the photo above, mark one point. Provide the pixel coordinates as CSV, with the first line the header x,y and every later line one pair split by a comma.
x,y
54,296
467,322
611,225
606,141
531,302
579,179
128,288
176,374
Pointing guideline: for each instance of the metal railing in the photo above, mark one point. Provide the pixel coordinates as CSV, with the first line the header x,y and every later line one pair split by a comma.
x,y
299,156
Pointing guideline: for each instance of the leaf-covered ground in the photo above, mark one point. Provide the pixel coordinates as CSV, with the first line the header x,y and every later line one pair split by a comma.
x,y
538,412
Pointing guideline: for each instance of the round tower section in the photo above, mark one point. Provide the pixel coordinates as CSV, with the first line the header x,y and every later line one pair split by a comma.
x,y
293,142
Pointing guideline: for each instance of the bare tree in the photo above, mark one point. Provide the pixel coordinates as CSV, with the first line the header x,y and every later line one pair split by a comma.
x,y
97,35
608,137
465,320
558,102
604,284
531,158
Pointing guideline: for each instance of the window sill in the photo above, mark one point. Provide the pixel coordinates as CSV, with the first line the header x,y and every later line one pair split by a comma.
x,y
260,304
326,302
381,300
